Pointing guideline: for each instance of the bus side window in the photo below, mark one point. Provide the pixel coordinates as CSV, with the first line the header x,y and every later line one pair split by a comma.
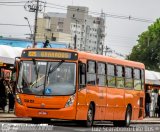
x,y
91,72
111,75
120,76
101,74
82,75
142,78
137,79
128,77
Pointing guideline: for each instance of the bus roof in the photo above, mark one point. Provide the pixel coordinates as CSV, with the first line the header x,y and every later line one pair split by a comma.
x,y
91,56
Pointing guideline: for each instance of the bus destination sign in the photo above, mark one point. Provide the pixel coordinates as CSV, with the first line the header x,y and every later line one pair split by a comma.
x,y
50,54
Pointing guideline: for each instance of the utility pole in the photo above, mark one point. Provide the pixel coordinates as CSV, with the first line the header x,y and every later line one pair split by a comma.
x,y
34,6
35,24
75,36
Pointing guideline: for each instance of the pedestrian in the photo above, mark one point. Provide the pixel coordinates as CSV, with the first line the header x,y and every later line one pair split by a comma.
x,y
147,103
46,44
158,104
3,96
11,96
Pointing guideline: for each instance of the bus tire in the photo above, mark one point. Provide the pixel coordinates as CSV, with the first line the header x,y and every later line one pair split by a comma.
x,y
90,116
128,117
127,121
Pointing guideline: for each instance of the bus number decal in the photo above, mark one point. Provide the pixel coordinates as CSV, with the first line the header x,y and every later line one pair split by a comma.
x,y
32,53
28,101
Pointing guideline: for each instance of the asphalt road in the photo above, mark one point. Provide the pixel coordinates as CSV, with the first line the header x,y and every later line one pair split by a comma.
x,y
25,125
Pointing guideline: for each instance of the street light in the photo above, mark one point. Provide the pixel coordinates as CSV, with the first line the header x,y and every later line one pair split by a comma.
x,y
29,26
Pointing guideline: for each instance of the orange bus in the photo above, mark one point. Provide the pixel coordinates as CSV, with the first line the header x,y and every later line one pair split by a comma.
x,y
73,85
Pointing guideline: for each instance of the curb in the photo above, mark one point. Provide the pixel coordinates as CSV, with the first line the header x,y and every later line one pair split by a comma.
x,y
147,121
144,121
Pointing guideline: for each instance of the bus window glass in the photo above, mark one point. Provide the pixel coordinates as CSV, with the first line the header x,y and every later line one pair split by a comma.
x,y
111,75
91,72
101,74
142,79
47,78
128,77
120,77
82,75
137,79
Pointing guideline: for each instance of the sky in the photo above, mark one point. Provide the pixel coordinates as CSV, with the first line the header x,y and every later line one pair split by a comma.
x,y
121,34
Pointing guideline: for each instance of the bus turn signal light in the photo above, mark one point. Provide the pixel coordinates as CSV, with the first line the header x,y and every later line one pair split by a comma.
x,y
18,99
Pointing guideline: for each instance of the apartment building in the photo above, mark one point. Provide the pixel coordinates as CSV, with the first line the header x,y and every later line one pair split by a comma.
x,y
76,27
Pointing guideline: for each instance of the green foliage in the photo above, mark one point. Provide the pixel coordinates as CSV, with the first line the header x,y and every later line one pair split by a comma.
x,y
147,49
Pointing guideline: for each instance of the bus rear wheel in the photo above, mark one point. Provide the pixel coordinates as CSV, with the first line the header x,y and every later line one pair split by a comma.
x,y
127,120
128,117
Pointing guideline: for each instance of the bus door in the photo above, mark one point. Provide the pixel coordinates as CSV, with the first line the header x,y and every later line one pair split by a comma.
x,y
81,100
101,83
138,95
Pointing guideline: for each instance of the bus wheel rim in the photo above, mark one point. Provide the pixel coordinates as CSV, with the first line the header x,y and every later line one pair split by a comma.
x,y
90,115
128,117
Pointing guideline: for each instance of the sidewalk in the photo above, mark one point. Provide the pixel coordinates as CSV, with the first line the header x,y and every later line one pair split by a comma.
x,y
7,115
10,117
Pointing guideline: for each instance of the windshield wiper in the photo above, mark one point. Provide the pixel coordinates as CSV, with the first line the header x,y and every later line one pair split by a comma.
x,y
54,68
35,66
51,71
36,69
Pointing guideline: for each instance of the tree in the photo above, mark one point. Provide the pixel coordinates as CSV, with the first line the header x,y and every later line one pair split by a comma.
x,y
147,49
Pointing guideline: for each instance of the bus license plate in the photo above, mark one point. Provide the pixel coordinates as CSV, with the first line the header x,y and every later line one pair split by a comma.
x,y
42,113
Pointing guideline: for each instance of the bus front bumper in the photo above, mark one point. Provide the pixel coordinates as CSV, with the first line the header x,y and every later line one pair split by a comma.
x,y
68,113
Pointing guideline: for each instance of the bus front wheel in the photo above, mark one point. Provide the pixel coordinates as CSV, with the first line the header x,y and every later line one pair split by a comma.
x,y
90,116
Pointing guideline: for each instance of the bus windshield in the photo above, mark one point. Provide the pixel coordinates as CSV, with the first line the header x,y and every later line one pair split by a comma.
x,y
47,78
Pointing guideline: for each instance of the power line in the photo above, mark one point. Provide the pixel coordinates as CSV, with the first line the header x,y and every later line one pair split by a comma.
x,y
106,14
55,6
10,5
4,24
11,2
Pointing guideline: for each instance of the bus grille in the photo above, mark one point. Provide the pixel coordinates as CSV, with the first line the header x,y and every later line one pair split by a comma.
x,y
44,108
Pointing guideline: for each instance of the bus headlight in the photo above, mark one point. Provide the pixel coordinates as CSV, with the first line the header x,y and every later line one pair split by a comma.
x,y
70,101
18,99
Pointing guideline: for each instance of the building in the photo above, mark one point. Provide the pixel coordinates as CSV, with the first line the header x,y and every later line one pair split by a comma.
x,y
51,27
76,27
